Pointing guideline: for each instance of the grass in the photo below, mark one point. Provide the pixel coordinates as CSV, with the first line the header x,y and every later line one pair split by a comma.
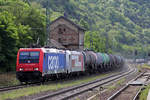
x,y
42,88
139,68
110,88
145,66
7,79
144,93
118,83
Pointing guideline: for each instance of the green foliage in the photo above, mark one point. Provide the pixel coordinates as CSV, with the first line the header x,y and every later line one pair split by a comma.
x,y
144,93
8,37
114,26
20,26
95,41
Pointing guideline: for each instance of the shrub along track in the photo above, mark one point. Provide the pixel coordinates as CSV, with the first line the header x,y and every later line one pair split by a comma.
x,y
76,90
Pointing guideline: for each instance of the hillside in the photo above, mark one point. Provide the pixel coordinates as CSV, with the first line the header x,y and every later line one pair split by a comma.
x,y
114,26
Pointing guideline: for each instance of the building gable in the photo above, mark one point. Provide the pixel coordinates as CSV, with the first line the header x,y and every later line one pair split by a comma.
x,y
64,20
67,33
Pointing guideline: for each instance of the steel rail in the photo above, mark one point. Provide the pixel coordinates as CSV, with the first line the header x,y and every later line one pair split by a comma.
x,y
122,89
118,92
11,88
118,75
3,89
14,87
137,94
91,98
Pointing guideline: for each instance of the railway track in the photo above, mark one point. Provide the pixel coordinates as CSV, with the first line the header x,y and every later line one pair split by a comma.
x,y
68,93
132,90
9,88
14,87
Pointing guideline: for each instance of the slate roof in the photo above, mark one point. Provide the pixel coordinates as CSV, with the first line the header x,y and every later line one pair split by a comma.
x,y
80,28
56,44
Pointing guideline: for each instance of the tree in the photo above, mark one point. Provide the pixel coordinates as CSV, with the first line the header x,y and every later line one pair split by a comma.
x,y
8,40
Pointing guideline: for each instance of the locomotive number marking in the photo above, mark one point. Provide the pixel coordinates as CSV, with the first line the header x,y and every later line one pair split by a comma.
x,y
53,62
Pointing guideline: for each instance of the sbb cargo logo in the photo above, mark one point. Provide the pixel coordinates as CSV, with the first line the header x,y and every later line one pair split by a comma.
x,y
53,62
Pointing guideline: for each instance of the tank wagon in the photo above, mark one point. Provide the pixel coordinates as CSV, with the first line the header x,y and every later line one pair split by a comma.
x,y
40,64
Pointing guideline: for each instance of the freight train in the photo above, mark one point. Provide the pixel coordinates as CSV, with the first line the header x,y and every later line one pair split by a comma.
x,y
40,64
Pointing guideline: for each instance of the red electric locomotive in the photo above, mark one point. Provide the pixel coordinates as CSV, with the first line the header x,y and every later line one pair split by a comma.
x,y
29,64
39,64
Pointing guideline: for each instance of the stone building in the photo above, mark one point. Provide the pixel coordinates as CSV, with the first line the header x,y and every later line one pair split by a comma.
x,y
67,33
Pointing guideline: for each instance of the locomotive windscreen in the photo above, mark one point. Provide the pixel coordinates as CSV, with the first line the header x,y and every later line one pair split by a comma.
x,y
29,57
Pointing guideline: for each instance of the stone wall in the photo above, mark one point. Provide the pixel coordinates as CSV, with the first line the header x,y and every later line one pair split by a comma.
x,y
67,34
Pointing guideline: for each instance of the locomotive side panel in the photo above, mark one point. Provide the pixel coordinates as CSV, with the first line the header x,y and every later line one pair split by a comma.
x,y
77,61
54,63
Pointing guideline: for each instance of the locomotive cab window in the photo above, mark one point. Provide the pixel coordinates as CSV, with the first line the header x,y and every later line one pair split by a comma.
x,y
29,57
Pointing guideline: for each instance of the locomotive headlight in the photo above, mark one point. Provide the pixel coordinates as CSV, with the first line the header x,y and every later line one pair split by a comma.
x,y
21,69
36,69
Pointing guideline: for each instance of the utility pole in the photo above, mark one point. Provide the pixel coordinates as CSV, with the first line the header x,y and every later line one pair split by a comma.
x,y
47,25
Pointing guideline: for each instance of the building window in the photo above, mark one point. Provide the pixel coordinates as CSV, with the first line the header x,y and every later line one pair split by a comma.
x,y
64,30
60,31
59,39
